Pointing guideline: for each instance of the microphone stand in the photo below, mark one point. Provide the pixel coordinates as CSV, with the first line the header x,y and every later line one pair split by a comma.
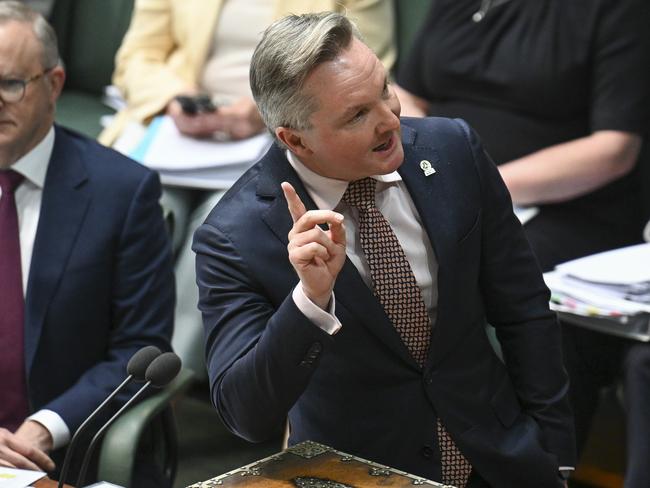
x,y
82,427
100,432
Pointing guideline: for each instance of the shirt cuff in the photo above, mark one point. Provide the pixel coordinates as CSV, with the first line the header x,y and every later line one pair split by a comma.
x,y
53,422
565,472
323,319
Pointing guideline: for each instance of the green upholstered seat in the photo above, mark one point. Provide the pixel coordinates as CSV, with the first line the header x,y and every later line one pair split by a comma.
x,y
89,32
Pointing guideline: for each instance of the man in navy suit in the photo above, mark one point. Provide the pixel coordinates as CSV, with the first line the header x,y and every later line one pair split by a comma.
x,y
294,305
86,266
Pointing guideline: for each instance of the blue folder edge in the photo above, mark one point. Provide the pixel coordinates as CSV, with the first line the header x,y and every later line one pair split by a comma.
x,y
141,149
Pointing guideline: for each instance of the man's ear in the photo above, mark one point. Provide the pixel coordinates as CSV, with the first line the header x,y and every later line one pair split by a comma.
x,y
294,140
57,79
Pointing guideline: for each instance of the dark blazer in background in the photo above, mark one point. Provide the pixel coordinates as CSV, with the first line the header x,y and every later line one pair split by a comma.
x,y
359,390
100,283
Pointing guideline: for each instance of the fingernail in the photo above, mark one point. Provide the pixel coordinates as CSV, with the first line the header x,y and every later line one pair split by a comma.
x,y
339,217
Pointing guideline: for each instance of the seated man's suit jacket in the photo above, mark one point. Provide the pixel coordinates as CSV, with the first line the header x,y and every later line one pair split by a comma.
x,y
360,390
100,284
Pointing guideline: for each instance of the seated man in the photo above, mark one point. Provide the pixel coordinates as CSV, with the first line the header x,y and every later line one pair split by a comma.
x,y
356,304
85,265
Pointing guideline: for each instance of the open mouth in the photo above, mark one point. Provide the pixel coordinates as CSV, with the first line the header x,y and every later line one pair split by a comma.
x,y
385,146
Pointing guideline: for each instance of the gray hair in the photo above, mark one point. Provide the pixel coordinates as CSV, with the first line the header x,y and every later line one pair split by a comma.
x,y
289,50
11,10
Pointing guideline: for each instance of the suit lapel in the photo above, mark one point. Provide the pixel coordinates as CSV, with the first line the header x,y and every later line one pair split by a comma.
x,y
431,195
64,204
351,291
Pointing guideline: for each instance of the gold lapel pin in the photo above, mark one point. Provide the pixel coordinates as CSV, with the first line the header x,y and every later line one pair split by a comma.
x,y
427,168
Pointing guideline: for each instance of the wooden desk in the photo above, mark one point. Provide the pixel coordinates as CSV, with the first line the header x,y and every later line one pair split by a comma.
x,y
310,464
48,483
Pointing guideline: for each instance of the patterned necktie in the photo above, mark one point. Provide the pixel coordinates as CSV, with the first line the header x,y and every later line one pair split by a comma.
x,y
13,407
396,289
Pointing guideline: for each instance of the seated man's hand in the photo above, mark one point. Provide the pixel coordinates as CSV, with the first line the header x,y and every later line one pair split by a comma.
x,y
317,255
26,448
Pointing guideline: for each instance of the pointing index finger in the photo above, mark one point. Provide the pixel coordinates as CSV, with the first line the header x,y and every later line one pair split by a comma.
x,y
296,208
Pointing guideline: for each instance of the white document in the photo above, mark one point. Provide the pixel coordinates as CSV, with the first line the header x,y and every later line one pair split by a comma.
x,y
220,178
164,148
103,484
187,162
524,214
585,300
624,266
18,478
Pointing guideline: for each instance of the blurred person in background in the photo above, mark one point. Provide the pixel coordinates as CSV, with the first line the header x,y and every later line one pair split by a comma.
x,y
558,91
190,47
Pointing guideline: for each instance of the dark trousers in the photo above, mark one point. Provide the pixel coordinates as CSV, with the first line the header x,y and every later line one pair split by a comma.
x,y
595,360
475,481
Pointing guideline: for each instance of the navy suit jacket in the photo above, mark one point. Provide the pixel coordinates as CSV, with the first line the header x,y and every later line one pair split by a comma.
x,y
100,284
360,390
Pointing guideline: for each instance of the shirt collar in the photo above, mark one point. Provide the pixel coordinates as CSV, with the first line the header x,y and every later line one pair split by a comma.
x,y
33,165
327,192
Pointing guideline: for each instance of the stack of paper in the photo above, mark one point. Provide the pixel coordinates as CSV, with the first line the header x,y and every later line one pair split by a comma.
x,y
190,162
18,478
610,284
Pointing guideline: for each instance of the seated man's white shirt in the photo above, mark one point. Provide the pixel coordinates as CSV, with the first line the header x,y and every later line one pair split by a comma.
x,y
33,166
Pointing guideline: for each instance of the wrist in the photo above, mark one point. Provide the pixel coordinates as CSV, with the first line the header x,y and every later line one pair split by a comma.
x,y
37,434
322,301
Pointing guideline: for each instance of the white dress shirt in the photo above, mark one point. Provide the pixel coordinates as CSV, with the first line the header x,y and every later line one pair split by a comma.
x,y
396,205
33,166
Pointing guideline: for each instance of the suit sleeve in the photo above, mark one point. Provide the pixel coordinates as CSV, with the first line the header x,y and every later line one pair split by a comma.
x,y
141,305
516,303
257,352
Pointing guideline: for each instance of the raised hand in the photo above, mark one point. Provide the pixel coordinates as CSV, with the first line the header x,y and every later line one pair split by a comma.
x,y
317,255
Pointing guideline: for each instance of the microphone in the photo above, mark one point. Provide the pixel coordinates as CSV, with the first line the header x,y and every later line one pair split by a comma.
x,y
160,373
136,369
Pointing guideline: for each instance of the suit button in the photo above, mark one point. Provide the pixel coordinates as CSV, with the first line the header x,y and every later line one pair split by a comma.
x,y
426,452
316,347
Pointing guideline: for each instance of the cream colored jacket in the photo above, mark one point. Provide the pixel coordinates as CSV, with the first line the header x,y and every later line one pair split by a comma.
x,y
167,43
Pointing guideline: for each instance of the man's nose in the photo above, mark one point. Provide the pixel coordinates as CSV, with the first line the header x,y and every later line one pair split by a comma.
x,y
389,118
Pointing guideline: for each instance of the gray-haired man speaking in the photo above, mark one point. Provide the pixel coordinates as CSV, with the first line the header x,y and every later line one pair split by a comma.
x,y
346,279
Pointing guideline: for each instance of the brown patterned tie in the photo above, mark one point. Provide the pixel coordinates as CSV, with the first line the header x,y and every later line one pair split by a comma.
x,y
396,289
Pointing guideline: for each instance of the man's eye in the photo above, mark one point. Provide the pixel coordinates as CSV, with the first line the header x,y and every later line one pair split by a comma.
x,y
11,85
358,115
